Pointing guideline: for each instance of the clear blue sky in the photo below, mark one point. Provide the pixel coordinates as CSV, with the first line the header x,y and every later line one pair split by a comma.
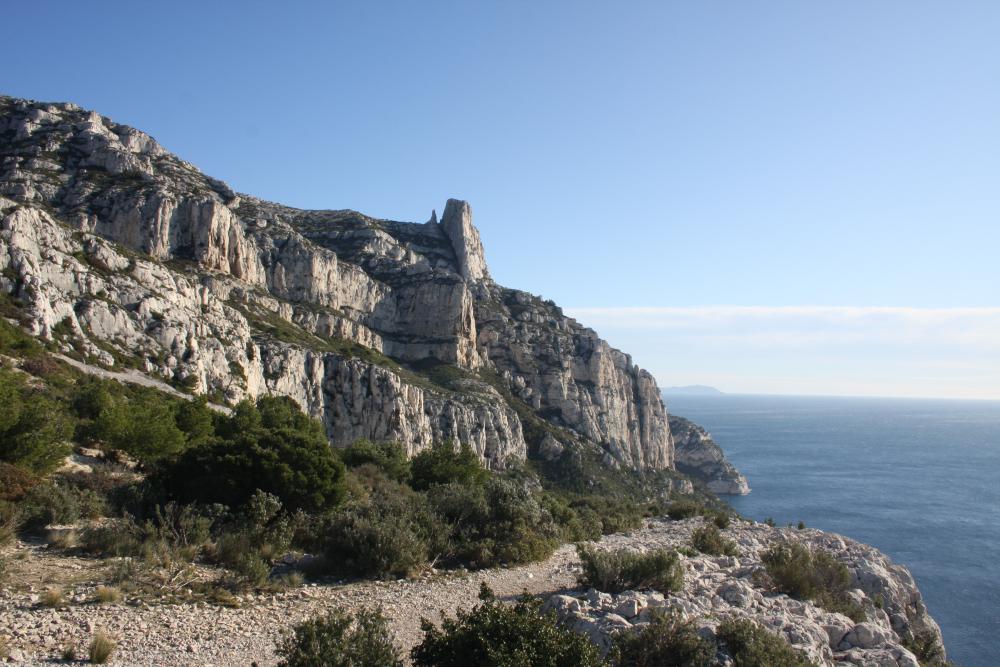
x,y
644,154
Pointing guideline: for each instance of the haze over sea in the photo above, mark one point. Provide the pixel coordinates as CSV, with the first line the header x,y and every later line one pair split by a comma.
x,y
915,478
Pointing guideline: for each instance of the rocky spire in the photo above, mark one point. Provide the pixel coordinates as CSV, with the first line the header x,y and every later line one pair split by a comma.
x,y
434,216
457,225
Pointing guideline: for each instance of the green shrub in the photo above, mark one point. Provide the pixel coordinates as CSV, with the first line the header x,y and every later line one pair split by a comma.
x,y
708,540
576,523
196,421
389,457
721,520
616,515
251,541
623,570
56,502
667,640
441,463
392,533
684,509
120,537
285,455
803,573
340,640
493,634
750,645
927,648
500,521
139,421
173,533
34,429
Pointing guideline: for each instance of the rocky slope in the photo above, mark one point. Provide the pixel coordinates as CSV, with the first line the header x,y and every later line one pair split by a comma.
x,y
123,254
152,633
697,456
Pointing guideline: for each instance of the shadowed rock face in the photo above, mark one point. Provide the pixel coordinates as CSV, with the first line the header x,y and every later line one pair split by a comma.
x,y
697,456
125,254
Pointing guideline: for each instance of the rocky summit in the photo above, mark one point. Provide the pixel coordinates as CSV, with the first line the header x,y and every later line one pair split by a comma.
x,y
125,255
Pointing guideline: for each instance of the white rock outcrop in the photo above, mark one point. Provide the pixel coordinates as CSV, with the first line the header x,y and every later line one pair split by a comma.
x,y
125,254
716,588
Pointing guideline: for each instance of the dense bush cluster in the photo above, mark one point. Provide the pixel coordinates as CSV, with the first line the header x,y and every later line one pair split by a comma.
x,y
709,540
808,574
623,570
750,645
668,639
340,640
493,634
445,507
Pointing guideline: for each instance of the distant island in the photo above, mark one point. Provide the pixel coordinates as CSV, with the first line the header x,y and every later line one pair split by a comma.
x,y
691,390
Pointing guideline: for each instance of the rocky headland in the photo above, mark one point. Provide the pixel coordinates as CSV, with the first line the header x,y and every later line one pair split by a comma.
x,y
698,456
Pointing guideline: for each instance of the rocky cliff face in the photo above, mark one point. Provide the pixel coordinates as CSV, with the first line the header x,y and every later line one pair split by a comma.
x,y
121,253
697,456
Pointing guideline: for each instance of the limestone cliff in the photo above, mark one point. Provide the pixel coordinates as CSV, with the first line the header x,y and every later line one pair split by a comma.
x,y
698,457
120,253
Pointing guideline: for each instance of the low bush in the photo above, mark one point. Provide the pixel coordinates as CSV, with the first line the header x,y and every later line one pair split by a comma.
x,y
614,515
684,509
750,645
254,538
498,522
494,634
57,502
15,481
390,534
100,649
709,540
63,539
389,457
928,649
340,640
815,575
668,640
623,570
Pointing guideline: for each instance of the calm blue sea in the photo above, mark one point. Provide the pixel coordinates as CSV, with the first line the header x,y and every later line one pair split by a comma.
x,y
919,479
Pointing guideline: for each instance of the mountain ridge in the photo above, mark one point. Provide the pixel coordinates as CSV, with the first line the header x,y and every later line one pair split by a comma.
x,y
123,253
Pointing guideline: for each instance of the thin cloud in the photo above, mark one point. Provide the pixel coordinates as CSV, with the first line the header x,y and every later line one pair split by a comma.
x,y
884,350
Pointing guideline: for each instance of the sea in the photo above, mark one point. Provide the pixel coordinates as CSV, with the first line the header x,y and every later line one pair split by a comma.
x,y
919,479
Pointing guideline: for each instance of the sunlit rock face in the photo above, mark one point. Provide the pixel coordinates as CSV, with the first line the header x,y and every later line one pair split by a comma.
x,y
124,253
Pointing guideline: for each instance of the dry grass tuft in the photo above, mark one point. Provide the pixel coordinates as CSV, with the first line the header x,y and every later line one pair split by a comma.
x,y
108,594
53,597
101,648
